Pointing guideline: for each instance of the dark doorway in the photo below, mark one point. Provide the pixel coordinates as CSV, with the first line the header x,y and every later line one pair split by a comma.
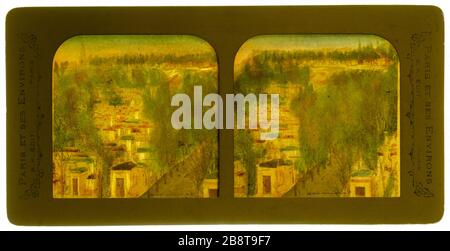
x,y
360,191
120,187
267,184
212,193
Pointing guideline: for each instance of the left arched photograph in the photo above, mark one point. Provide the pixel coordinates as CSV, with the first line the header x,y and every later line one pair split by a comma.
x,y
111,118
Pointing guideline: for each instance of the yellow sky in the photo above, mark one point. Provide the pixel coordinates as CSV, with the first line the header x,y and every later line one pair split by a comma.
x,y
89,46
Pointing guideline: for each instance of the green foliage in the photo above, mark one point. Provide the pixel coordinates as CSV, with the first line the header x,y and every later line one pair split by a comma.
x,y
163,136
116,100
389,187
73,103
173,145
245,152
261,71
347,120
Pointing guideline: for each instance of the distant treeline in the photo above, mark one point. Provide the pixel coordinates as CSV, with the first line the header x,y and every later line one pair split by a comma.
x,y
364,53
128,59
283,67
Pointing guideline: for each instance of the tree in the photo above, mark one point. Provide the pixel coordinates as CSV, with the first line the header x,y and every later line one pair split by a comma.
x,y
244,151
347,120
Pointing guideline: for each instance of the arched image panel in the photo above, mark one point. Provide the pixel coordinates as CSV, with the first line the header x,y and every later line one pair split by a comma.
x,y
338,132
112,131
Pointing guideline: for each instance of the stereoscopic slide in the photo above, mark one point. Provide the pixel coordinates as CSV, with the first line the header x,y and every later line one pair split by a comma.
x,y
192,115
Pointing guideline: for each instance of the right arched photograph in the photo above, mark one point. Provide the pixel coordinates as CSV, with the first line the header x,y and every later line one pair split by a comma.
x,y
339,127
